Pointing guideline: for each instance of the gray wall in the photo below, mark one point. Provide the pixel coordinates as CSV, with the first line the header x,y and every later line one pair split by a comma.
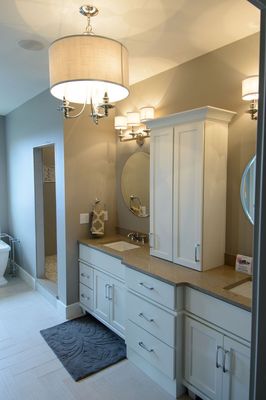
x,y
213,79
35,123
3,187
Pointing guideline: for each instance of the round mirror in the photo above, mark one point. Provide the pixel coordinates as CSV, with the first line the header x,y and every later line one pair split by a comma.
x,y
135,184
247,189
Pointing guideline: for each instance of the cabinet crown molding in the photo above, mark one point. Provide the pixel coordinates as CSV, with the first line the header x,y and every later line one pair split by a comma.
x,y
196,114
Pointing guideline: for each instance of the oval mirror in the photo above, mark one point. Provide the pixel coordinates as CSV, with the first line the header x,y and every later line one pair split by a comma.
x,y
135,184
247,189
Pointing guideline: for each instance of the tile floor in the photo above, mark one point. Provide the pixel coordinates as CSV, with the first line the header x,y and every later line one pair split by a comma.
x,y
29,370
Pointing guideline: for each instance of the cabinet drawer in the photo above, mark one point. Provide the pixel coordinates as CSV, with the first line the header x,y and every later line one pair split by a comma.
x,y
151,318
86,275
86,296
152,288
99,259
218,312
151,349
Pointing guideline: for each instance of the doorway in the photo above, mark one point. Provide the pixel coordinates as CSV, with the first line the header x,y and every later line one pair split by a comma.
x,y
45,212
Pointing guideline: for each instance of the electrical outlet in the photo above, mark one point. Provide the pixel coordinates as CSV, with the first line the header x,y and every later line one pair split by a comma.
x,y
84,218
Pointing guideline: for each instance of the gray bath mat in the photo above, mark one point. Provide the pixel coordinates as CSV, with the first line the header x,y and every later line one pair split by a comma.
x,y
84,346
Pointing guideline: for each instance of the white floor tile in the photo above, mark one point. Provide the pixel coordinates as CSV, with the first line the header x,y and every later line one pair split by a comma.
x,y
29,370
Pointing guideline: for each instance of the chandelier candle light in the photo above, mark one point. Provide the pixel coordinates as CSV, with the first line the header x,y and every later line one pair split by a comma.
x,y
88,68
134,120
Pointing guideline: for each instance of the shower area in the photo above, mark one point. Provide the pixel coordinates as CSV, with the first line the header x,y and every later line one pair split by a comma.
x,y
45,202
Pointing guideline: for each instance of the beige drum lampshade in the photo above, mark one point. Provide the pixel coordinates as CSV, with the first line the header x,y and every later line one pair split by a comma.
x,y
86,66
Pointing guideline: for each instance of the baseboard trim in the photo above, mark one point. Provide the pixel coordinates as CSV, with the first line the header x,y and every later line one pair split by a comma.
x,y
26,277
69,312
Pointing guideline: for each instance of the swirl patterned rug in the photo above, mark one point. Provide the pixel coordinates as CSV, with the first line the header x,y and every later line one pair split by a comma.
x,y
84,346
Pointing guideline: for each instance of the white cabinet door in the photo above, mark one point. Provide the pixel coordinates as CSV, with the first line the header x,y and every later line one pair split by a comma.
x,y
203,358
236,372
161,196
188,194
101,302
117,297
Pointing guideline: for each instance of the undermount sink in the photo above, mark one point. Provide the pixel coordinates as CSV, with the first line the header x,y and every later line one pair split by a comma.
x,y
242,288
121,246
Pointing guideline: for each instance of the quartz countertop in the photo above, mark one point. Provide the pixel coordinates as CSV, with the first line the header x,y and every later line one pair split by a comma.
x,y
212,282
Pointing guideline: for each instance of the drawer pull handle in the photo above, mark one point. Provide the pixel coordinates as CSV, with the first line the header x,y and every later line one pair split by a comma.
x,y
141,315
146,286
106,291
225,370
217,356
85,297
141,344
85,276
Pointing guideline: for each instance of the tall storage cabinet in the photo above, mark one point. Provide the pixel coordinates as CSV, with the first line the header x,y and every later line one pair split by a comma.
x,y
188,187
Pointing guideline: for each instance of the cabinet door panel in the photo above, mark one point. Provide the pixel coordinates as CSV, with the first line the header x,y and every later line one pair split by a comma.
x,y
236,377
161,184
117,297
201,344
101,302
188,192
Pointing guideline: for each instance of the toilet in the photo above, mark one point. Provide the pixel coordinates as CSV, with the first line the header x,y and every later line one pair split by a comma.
x,y
4,254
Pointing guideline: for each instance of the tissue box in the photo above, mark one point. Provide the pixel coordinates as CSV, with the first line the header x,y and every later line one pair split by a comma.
x,y
244,264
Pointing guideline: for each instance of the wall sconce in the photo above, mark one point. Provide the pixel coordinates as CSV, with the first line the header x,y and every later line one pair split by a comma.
x,y
134,120
250,92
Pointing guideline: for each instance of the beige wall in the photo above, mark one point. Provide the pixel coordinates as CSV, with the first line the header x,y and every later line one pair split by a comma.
x,y
213,79
90,154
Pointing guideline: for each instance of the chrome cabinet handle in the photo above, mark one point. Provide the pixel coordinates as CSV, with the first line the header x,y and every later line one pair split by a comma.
x,y
141,315
141,344
217,356
225,370
106,291
197,247
84,297
110,292
146,286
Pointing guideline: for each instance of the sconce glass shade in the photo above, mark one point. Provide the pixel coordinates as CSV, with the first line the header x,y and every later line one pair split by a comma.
x,y
146,113
121,122
86,66
133,118
250,88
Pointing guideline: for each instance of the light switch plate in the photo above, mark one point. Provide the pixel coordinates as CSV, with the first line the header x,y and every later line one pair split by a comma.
x,y
84,218
105,215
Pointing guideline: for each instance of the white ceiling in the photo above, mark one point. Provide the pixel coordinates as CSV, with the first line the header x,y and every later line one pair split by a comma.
x,y
159,35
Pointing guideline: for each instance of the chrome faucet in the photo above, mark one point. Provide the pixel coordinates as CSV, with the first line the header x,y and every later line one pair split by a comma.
x,y
137,237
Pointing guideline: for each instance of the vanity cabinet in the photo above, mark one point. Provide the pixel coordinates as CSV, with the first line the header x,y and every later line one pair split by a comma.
x,y
188,187
216,361
102,287
154,328
109,301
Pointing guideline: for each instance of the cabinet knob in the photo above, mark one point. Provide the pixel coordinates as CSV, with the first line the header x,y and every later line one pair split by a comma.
x,y
82,274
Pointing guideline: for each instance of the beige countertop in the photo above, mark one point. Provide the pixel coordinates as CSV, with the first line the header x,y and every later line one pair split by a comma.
x,y
212,282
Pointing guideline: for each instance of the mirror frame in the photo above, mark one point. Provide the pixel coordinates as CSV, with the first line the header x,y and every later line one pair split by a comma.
x,y
242,189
